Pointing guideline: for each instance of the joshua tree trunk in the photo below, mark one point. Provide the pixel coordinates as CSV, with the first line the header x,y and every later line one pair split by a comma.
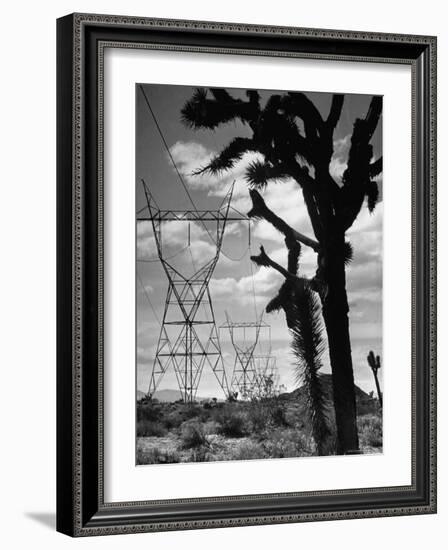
x,y
335,313
378,389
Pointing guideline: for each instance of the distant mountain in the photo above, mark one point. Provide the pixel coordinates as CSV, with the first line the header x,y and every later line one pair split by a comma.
x,y
167,396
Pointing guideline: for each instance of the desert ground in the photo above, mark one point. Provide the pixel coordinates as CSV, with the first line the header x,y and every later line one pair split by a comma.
x,y
213,430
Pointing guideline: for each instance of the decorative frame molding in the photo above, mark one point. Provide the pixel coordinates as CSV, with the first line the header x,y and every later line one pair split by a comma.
x,y
81,42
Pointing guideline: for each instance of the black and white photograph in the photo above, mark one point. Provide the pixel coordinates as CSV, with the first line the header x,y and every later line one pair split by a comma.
x,y
258,274
222,239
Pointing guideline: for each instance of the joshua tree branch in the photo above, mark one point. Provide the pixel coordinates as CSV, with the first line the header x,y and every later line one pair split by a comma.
x,y
283,297
373,115
264,260
376,167
202,112
294,249
299,105
359,170
335,111
228,157
260,210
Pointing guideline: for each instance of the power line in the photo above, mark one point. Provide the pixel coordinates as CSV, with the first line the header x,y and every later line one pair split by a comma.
x,y
184,185
167,148
169,257
235,259
141,209
191,198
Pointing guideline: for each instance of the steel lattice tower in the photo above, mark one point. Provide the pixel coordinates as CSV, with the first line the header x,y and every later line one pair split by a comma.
x,y
248,367
188,338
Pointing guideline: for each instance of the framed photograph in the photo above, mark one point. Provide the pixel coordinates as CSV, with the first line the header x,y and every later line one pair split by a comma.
x,y
246,274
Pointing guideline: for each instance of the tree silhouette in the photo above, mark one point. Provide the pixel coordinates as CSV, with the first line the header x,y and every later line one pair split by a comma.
x,y
296,142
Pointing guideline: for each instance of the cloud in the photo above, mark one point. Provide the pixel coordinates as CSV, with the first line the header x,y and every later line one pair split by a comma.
x,y
200,245
146,243
367,222
366,238
189,157
338,162
233,228
365,276
146,354
365,273
286,201
146,288
264,284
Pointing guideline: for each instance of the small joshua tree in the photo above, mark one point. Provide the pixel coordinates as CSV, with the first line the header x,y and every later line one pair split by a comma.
x,y
375,364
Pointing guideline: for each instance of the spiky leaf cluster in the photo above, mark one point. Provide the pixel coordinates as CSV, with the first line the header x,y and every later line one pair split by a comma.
x,y
308,346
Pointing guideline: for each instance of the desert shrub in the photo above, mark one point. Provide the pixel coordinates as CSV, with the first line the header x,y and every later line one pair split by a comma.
x,y
147,428
200,454
280,449
278,413
231,423
370,428
303,442
173,415
149,410
265,414
156,456
248,450
191,410
193,435
288,443
211,427
173,420
367,405
258,416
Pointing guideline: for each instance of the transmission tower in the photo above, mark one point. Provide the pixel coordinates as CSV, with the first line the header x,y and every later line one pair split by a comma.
x,y
267,374
188,338
246,375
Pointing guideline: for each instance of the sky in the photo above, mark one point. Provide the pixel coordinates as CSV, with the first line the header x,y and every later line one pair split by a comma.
x,y
238,287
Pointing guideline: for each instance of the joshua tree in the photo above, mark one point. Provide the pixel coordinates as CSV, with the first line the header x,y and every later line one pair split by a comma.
x,y
375,364
302,313
296,142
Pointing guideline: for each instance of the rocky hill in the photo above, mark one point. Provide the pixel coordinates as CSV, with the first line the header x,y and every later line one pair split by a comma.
x,y
365,403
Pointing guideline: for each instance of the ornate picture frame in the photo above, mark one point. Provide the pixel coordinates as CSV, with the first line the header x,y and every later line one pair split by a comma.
x,y
81,506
